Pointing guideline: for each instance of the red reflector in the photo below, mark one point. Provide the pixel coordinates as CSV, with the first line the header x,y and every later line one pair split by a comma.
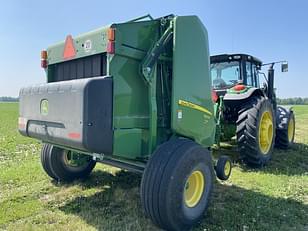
x,y
239,87
22,122
69,49
110,47
214,96
21,126
74,135
44,63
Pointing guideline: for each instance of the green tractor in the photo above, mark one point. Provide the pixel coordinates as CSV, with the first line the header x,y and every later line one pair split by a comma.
x,y
249,110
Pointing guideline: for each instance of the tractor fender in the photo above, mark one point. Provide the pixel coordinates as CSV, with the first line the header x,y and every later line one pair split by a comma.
x,y
282,116
242,96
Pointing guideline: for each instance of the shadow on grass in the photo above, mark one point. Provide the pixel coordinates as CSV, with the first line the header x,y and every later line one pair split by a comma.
x,y
104,179
235,208
292,161
116,206
124,179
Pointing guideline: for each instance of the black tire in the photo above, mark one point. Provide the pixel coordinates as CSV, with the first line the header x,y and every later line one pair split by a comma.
x,y
165,194
223,168
253,147
45,160
285,128
55,163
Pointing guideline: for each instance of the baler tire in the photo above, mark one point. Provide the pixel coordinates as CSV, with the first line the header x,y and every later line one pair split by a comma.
x,y
45,160
62,171
283,140
164,184
248,133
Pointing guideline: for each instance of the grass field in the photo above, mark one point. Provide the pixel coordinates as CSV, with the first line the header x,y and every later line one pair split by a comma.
x,y
273,198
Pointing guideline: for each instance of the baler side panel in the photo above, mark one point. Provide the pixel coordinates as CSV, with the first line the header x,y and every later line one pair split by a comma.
x,y
192,106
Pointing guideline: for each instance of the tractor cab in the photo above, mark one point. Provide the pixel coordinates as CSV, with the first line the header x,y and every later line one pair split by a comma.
x,y
229,70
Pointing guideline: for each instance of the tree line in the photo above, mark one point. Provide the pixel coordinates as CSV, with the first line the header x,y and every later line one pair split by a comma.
x,y
293,101
8,99
286,101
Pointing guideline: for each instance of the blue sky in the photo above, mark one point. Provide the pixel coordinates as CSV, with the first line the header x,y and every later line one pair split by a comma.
x,y
270,30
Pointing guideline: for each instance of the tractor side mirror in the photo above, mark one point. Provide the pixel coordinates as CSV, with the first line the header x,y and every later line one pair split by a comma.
x,y
284,67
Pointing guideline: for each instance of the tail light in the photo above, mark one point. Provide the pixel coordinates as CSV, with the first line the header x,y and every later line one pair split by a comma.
x,y
214,96
111,39
110,47
44,63
44,57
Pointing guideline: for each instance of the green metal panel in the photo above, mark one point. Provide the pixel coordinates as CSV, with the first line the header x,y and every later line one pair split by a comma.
x,y
134,39
192,106
130,98
93,42
130,104
127,143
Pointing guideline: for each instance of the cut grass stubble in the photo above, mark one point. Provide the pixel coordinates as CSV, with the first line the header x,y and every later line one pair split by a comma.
x,y
272,198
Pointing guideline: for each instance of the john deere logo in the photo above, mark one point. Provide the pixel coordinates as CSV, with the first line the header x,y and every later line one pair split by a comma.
x,y
44,107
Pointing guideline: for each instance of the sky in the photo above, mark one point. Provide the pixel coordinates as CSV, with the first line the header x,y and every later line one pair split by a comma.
x,y
270,30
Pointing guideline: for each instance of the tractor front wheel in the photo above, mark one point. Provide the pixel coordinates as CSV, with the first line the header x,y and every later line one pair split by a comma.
x,y
256,131
177,183
223,168
65,165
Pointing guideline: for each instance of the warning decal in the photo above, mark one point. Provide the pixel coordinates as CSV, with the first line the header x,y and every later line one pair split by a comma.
x,y
69,49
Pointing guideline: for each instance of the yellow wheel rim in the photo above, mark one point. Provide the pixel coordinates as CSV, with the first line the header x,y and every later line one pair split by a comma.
x,y
291,128
266,132
227,168
194,188
75,163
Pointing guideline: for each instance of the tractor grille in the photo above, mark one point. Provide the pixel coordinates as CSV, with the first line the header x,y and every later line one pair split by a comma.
x,y
90,66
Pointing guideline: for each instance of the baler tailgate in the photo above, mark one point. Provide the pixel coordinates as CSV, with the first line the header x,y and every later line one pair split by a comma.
x,y
75,113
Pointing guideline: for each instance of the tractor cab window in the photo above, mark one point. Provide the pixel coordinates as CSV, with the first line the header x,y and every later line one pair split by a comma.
x,y
255,75
249,76
225,74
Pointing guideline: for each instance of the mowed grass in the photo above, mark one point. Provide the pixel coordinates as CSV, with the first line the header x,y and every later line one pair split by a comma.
x,y
272,198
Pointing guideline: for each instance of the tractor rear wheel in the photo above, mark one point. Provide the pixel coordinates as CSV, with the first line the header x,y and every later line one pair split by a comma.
x,y
256,131
177,183
65,165
285,128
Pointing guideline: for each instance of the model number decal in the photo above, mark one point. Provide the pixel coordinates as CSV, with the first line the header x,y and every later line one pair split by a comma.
x,y
194,106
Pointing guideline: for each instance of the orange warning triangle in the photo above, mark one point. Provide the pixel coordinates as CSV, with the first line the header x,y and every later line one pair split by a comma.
x,y
69,49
